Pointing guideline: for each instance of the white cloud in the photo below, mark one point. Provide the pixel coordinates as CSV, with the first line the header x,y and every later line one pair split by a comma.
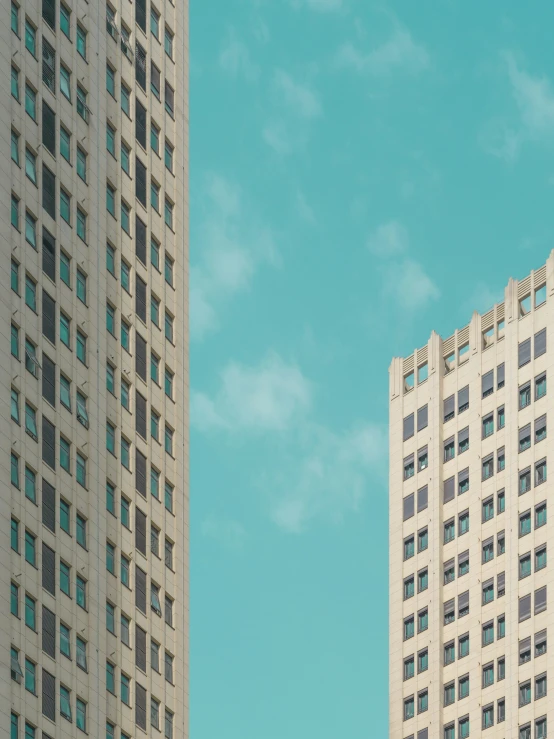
x,y
500,140
299,98
310,472
388,240
399,53
330,478
232,245
267,397
277,136
407,286
228,532
235,58
482,298
320,6
305,211
534,97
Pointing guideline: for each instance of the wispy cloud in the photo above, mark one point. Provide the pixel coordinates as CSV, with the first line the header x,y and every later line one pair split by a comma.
x,y
405,283
400,53
482,298
320,6
233,245
330,478
235,59
296,105
534,98
304,209
313,472
267,397
300,98
226,531
388,240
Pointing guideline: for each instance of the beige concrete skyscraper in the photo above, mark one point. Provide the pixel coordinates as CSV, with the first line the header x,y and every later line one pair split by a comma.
x,y
471,590
94,505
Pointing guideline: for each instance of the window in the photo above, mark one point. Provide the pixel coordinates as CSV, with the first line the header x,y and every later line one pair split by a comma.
x,y
125,453
422,701
81,470
81,347
409,548
540,558
31,293
488,509
155,427
422,580
168,438
540,472
540,386
409,587
525,732
15,83
449,449
82,286
110,437
65,702
110,617
65,330
110,199
30,612
463,523
110,259
65,206
525,523
31,229
487,467
82,164
31,165
449,572
168,42
110,557
409,708
409,467
65,20
81,41
449,531
15,470
488,633
126,100
155,713
422,457
525,395
125,689
488,675
463,646
110,80
488,716
110,677
500,459
30,548
125,630
501,543
30,102
524,481
125,570
81,530
488,550
540,515
125,512
125,158
110,319
14,599
488,425
449,653
154,368
540,643
168,156
110,378
169,98
65,81
155,254
168,213
488,592
169,327
82,108
30,676
463,563
65,144
15,29
525,693
540,728
65,579
168,494
81,714
155,655
168,667
125,394
540,429
15,406
65,516
65,640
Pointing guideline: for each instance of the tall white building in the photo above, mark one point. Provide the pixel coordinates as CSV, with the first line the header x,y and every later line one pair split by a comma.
x,y
471,588
94,517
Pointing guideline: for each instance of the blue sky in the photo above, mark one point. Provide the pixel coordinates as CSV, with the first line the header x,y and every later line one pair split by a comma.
x,y
360,174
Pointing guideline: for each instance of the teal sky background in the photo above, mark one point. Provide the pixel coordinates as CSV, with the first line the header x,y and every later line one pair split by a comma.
x,y
361,173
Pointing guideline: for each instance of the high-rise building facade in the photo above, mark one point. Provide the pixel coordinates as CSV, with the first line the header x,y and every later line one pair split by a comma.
x,y
471,589
94,504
